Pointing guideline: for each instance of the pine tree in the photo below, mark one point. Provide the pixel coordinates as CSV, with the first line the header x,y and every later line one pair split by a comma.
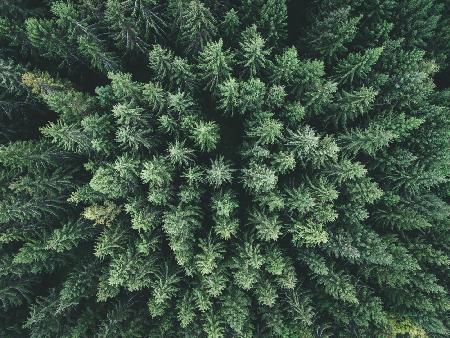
x,y
357,65
196,25
329,35
254,53
215,64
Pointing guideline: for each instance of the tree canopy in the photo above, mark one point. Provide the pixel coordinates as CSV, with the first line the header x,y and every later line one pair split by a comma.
x,y
199,168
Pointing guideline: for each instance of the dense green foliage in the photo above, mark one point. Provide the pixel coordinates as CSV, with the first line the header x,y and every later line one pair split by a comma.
x,y
200,168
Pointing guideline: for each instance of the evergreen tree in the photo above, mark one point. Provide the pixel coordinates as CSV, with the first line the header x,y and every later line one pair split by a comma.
x,y
197,25
254,53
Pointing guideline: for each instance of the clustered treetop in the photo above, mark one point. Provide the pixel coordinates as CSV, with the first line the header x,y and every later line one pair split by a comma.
x,y
203,169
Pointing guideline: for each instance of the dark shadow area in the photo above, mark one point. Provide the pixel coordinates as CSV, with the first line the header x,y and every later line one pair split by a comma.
x,y
297,18
442,79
